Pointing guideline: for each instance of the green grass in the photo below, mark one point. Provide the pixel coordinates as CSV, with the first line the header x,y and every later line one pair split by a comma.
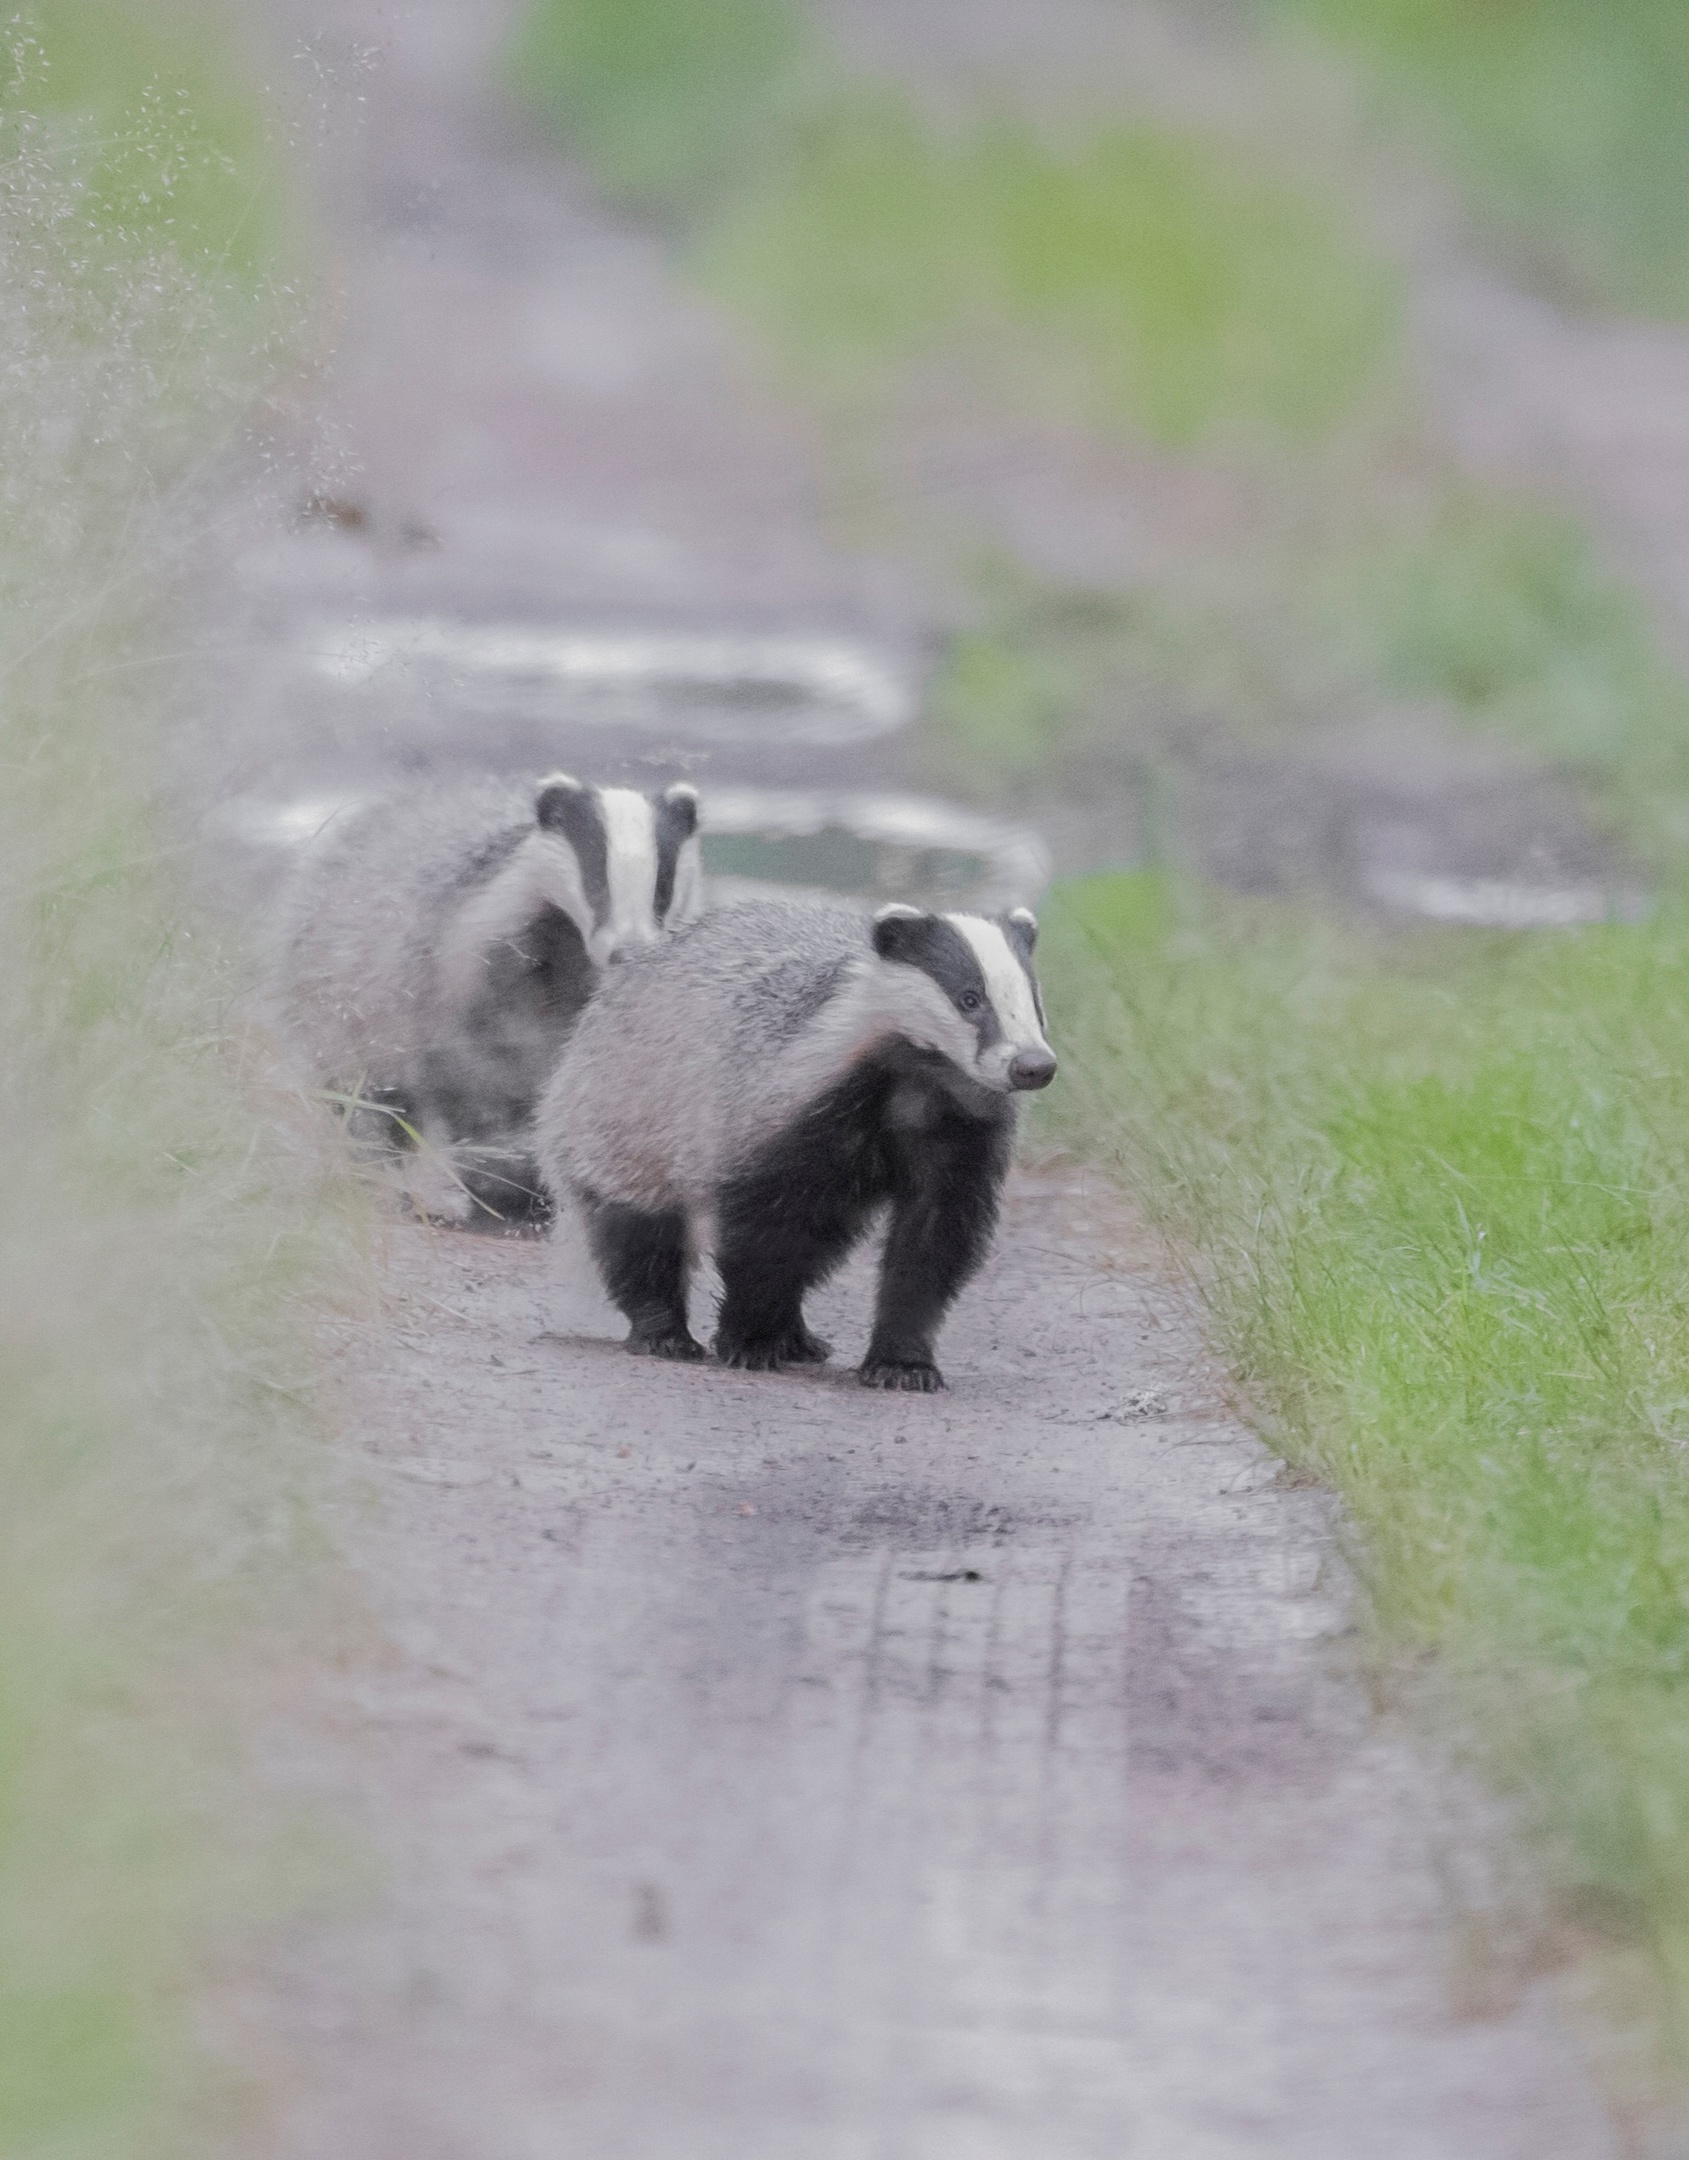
x,y
165,1233
152,116
1498,613
665,98
1563,117
1506,614
1145,279
1438,1195
1157,280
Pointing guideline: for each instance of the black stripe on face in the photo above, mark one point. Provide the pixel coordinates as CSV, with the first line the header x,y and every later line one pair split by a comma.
x,y
572,812
677,821
939,949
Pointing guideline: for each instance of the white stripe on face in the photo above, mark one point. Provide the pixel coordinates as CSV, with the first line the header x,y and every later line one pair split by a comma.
x,y
630,847
688,902
1009,988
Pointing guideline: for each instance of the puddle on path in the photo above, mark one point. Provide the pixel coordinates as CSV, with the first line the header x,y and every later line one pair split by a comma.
x,y
865,847
813,690
433,691
1503,903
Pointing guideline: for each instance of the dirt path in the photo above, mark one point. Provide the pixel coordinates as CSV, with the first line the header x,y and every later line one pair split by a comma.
x,y
761,1767
769,1769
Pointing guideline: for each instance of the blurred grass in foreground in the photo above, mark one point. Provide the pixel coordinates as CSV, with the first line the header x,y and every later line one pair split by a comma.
x,y
1437,1193
1564,118
162,1238
152,115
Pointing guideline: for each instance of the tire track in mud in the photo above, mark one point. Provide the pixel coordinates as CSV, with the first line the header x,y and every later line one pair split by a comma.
x,y
770,1767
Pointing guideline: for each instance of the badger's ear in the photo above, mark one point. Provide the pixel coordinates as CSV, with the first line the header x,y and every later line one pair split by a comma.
x,y
557,794
897,927
1022,927
680,801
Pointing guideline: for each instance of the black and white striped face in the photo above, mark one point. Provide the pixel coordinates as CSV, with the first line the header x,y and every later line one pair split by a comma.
x,y
625,865
963,985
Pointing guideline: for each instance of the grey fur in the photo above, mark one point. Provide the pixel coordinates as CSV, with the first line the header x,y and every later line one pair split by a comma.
x,y
434,955
701,1051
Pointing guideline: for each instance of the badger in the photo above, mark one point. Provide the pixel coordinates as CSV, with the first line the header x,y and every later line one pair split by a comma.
x,y
437,948
768,1081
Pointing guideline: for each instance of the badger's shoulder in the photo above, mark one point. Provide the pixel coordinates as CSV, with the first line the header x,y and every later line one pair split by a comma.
x,y
747,975
674,1055
418,845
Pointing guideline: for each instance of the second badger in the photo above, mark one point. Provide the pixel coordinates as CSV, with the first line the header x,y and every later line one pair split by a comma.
x,y
763,1084
438,946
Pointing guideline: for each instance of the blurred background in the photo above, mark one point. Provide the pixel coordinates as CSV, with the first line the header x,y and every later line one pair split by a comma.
x,y
1239,438
1228,456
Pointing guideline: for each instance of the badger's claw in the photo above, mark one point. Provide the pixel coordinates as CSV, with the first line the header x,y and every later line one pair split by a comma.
x,y
750,1356
768,1353
912,1378
672,1343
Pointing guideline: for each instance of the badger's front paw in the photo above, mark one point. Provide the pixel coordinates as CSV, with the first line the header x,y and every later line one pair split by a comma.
x,y
914,1376
769,1353
751,1356
665,1343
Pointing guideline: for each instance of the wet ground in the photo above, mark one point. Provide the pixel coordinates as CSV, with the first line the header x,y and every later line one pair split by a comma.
x,y
760,1766
767,1769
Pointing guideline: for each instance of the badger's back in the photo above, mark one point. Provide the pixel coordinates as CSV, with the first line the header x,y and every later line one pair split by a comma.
x,y
684,1058
361,921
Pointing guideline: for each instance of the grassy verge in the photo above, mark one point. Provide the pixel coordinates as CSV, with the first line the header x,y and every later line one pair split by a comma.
x,y
1438,1194
161,1231
1562,117
1147,278
667,98
1154,278
1489,609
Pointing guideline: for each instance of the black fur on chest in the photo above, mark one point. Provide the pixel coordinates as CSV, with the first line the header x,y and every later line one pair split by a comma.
x,y
891,1123
901,1131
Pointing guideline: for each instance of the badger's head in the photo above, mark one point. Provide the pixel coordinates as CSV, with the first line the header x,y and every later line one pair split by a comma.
x,y
963,985
622,866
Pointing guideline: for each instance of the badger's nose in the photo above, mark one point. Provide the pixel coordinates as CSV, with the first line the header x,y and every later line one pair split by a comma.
x,y
1031,1069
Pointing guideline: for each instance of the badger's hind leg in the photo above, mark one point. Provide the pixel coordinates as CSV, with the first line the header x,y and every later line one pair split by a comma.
x,y
505,1183
646,1265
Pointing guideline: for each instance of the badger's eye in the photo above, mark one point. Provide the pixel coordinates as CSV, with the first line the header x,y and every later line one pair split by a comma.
x,y
970,1001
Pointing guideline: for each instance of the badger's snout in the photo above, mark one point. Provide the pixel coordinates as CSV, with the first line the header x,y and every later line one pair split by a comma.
x,y
1032,1069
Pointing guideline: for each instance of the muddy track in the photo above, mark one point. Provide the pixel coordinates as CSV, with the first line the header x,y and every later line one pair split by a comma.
x,y
770,1768
759,1766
